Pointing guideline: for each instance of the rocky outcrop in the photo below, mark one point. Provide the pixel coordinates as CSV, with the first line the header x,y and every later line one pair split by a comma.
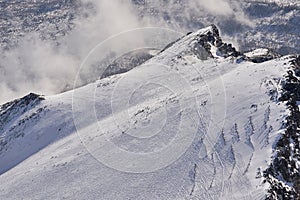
x,y
18,106
204,45
211,40
283,174
261,55
11,111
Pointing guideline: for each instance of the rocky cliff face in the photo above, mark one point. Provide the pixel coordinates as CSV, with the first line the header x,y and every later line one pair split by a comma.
x,y
213,45
283,174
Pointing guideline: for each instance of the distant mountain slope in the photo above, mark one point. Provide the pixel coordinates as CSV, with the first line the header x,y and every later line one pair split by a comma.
x,y
253,23
52,19
275,22
199,120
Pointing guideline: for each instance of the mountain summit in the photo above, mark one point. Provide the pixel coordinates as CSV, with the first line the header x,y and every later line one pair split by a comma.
x,y
197,120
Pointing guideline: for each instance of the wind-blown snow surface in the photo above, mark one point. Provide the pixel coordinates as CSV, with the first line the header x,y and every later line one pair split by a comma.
x,y
217,119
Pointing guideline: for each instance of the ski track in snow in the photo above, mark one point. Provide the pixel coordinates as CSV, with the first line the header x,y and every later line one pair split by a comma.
x,y
220,163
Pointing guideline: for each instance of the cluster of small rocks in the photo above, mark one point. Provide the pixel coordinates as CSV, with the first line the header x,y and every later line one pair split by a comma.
x,y
283,174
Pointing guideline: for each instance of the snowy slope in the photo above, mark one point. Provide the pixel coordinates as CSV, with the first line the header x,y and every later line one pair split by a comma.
x,y
176,127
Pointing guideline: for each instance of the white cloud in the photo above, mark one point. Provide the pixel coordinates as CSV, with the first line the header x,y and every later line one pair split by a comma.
x,y
47,68
217,7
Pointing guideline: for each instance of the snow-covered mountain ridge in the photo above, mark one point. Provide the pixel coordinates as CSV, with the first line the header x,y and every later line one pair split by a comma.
x,y
33,32
200,120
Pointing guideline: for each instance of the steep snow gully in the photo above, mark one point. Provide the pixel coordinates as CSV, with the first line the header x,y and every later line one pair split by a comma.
x,y
197,120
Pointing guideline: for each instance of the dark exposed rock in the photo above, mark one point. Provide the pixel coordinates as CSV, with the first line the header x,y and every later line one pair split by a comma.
x,y
9,114
283,174
18,106
212,38
202,51
127,62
